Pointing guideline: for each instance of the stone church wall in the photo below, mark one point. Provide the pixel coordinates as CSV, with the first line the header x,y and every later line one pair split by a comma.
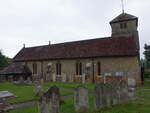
x,y
128,67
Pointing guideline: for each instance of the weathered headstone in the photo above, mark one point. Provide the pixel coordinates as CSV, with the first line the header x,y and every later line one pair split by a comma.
x,y
81,99
21,80
50,101
108,92
131,82
98,96
28,81
123,91
131,93
38,89
115,92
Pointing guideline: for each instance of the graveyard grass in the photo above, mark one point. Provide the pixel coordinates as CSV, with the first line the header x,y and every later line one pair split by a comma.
x,y
25,93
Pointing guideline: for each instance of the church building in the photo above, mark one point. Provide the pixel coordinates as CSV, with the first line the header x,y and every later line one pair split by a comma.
x,y
89,61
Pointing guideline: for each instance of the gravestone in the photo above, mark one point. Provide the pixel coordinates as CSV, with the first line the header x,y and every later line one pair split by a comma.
x,y
98,96
115,92
28,81
123,91
21,80
50,101
102,95
108,92
131,93
38,89
81,99
131,82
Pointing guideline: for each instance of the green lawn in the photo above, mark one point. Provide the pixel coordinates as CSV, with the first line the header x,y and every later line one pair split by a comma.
x,y
24,93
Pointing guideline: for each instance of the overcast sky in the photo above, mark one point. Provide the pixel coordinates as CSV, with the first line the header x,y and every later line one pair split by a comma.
x,y
36,22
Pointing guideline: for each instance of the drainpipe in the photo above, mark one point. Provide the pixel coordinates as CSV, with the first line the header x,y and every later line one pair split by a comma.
x,y
93,71
42,69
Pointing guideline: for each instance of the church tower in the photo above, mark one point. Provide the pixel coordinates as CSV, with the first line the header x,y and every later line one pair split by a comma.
x,y
125,25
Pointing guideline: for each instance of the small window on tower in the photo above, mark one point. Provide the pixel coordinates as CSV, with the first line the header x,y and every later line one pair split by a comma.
x,y
123,25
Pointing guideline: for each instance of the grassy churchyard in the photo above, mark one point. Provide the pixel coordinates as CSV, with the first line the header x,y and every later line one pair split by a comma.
x,y
26,93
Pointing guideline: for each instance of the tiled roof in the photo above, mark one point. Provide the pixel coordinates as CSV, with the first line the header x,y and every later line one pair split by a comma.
x,y
15,68
123,17
101,47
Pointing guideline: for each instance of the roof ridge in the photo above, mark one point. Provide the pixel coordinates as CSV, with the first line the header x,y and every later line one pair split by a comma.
x,y
123,17
68,42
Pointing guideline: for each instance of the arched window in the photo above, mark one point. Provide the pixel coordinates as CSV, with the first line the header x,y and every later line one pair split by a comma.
x,y
123,25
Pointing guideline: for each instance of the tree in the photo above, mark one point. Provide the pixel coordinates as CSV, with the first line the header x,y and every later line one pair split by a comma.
x,y
4,61
147,55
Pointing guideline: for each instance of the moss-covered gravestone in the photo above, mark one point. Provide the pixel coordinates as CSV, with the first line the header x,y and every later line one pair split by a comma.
x,y
50,101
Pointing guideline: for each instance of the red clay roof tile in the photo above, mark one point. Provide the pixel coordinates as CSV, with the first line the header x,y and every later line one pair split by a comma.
x,y
100,47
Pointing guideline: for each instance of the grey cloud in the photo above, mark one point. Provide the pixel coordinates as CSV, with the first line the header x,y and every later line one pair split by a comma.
x,y
35,22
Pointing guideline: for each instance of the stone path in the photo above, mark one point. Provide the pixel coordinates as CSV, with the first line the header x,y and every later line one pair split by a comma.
x,y
24,104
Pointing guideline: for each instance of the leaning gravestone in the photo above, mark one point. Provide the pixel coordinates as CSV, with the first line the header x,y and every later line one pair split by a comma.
x,y
81,99
50,101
